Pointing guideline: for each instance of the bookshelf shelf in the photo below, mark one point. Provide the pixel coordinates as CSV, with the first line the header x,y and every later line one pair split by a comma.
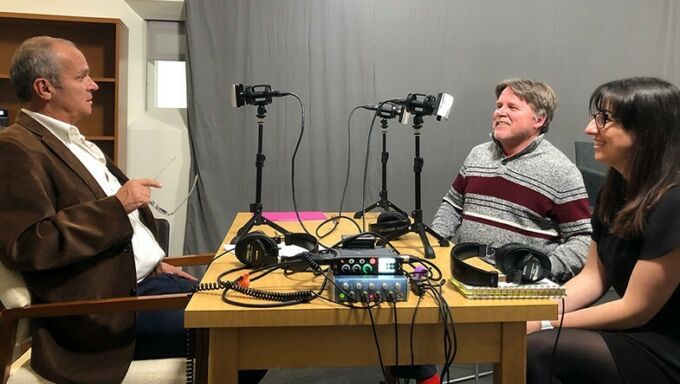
x,y
104,43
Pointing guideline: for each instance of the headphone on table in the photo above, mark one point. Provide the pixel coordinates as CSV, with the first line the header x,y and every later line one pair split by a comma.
x,y
257,250
389,222
519,263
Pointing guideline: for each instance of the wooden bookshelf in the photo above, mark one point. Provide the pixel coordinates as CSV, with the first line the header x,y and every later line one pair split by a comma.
x,y
104,43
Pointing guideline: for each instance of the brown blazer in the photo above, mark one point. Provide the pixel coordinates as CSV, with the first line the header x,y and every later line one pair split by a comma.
x,y
70,242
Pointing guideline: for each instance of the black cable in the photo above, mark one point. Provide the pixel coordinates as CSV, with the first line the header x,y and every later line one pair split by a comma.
x,y
190,342
281,298
449,334
375,235
218,256
393,300
364,299
335,220
292,167
429,265
344,188
557,337
413,323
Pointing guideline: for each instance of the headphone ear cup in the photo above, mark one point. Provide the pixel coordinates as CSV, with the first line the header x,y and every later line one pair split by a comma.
x,y
390,217
389,222
256,250
522,264
304,240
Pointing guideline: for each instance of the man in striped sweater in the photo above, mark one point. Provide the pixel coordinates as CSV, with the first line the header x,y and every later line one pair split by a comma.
x,y
519,187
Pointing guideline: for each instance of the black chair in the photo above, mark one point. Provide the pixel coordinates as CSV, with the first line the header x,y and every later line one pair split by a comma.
x,y
594,173
163,228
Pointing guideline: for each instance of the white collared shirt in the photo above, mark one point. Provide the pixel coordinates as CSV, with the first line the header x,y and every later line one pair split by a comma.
x,y
146,250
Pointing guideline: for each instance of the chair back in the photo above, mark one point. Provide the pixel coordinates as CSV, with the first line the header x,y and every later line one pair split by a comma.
x,y
163,228
15,335
594,173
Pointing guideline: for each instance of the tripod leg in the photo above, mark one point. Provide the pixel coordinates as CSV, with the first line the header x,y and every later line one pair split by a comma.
x,y
427,248
257,219
245,228
371,207
272,224
390,204
442,241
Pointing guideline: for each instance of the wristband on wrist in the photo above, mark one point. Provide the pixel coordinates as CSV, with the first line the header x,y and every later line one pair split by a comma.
x,y
546,325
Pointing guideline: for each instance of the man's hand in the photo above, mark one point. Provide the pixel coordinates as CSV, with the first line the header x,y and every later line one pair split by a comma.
x,y
136,193
172,270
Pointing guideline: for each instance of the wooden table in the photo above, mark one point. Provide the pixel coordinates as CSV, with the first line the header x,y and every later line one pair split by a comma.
x,y
323,334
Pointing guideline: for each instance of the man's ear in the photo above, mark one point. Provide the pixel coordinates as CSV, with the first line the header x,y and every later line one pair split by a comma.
x,y
540,120
43,88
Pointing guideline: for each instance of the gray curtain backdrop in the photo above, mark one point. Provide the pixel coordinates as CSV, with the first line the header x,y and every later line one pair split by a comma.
x,y
339,54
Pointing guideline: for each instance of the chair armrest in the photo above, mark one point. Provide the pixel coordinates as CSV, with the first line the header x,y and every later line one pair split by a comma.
x,y
86,307
200,259
9,317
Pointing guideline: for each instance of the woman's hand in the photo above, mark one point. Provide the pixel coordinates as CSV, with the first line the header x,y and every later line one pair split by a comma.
x,y
533,326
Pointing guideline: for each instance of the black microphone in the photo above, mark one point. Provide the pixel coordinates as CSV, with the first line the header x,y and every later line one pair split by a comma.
x,y
425,105
253,94
387,110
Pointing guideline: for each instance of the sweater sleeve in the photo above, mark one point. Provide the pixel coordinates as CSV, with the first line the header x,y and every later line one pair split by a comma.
x,y
572,216
446,220
449,215
569,257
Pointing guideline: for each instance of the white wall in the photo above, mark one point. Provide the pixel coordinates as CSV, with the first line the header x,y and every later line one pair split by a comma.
x,y
153,137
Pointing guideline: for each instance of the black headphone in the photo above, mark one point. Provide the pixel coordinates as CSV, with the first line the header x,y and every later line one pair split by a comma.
x,y
389,222
519,263
256,250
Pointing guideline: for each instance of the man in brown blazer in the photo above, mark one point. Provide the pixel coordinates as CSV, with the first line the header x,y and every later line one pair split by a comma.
x,y
70,221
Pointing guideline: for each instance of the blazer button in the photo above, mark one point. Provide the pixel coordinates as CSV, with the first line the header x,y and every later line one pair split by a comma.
x,y
126,249
133,291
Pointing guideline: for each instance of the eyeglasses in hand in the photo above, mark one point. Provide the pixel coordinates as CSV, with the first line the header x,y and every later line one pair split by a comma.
x,y
160,209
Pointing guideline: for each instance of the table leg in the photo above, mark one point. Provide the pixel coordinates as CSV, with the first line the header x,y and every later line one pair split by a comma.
x,y
512,367
223,356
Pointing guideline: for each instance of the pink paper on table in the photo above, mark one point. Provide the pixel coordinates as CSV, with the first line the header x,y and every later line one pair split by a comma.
x,y
290,215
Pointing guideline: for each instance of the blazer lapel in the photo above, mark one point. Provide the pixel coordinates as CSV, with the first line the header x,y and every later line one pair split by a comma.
x,y
59,149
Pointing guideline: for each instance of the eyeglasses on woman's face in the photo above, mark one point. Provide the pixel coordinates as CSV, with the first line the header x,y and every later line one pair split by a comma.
x,y
601,118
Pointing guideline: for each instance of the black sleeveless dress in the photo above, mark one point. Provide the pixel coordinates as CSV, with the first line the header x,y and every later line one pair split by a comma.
x,y
651,353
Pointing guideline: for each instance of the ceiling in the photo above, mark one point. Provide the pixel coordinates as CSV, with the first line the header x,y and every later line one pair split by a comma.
x,y
158,9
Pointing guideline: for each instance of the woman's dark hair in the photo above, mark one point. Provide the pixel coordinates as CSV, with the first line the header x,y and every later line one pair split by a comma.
x,y
648,109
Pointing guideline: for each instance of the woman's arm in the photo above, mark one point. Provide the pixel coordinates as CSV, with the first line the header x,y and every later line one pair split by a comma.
x,y
588,286
651,285
582,290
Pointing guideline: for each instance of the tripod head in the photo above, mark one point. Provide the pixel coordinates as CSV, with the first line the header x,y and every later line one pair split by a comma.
x,y
259,95
386,109
419,105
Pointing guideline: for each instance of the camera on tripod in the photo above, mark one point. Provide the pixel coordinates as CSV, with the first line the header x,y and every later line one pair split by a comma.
x,y
253,94
425,105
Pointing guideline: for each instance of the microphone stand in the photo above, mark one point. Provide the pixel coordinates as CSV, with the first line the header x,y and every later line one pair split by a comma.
x,y
418,226
383,203
256,207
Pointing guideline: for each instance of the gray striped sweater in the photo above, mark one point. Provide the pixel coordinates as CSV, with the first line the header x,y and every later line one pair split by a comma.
x,y
535,197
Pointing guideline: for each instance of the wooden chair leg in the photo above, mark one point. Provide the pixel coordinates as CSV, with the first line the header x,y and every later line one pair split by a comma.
x,y
8,329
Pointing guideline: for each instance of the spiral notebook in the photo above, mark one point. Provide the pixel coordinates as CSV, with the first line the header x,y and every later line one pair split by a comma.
x,y
544,289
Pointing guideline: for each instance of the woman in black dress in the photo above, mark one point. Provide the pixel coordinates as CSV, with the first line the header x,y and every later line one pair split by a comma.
x,y
635,126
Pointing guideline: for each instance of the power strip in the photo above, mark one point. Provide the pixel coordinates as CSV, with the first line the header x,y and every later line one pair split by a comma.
x,y
353,288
